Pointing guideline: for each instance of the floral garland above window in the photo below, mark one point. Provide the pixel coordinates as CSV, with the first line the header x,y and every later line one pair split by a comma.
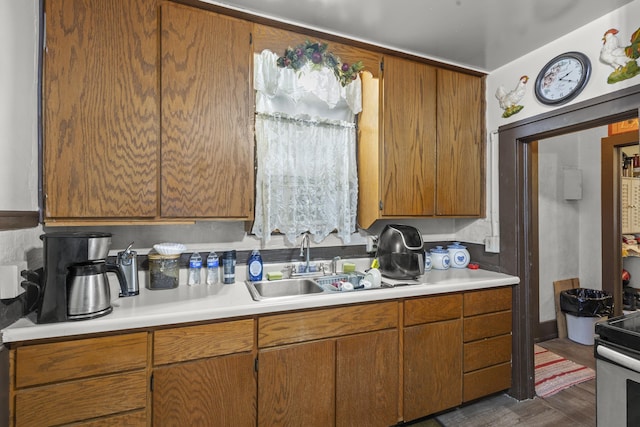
x,y
317,53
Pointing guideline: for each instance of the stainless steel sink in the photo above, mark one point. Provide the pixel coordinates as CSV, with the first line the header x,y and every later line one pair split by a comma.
x,y
283,288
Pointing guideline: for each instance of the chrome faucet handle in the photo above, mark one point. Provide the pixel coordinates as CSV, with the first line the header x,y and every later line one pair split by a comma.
x,y
334,264
287,271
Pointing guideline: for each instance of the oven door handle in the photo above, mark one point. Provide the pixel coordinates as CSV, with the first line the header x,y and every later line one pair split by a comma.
x,y
619,358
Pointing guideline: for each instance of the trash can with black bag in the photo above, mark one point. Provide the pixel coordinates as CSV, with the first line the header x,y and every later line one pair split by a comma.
x,y
583,308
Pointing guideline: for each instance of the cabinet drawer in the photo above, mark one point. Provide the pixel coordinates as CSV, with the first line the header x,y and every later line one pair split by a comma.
x,y
487,301
48,363
486,381
130,419
487,325
197,342
334,322
432,309
488,352
80,400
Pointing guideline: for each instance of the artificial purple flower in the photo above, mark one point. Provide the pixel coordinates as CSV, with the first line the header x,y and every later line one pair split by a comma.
x,y
316,57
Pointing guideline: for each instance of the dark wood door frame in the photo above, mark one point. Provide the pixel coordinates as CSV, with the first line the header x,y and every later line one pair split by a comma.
x,y
611,218
517,255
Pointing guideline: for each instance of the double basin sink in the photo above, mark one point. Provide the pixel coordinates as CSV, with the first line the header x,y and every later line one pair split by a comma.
x,y
283,288
305,286
299,286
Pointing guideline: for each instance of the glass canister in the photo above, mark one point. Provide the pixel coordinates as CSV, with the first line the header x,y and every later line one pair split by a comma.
x,y
163,271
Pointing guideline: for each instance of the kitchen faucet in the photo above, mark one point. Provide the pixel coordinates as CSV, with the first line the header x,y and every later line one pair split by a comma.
x,y
305,238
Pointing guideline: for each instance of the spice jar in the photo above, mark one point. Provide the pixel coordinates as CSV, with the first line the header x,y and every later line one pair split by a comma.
x,y
163,271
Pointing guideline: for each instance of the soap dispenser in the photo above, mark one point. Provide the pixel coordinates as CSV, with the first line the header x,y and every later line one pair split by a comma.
x,y
255,266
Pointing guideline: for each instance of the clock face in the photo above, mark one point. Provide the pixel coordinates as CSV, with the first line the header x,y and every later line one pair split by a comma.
x,y
563,78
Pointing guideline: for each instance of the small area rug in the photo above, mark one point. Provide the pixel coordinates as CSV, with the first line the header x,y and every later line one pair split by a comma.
x,y
555,373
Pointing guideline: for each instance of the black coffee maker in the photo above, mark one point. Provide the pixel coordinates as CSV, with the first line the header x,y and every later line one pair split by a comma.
x,y
62,251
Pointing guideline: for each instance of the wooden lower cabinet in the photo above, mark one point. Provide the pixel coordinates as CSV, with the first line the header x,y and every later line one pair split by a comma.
x,y
372,364
487,342
204,375
92,381
328,367
343,382
367,379
296,385
218,391
432,338
432,368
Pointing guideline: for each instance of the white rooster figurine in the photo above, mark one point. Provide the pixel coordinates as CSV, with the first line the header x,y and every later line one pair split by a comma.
x,y
509,100
611,52
621,58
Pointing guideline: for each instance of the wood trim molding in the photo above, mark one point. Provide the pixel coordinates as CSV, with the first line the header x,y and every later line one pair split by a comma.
x,y
516,233
547,330
15,220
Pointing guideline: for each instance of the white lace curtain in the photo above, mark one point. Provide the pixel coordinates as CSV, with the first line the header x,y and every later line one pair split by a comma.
x,y
306,151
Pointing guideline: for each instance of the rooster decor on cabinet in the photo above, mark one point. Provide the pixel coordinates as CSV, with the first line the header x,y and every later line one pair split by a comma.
x,y
622,59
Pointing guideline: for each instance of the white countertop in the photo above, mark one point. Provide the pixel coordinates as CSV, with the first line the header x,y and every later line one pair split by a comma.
x,y
209,302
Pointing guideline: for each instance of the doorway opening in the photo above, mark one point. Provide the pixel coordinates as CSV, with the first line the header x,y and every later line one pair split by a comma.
x,y
518,255
566,221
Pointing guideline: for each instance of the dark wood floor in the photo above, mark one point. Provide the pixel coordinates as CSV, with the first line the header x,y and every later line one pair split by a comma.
x,y
574,406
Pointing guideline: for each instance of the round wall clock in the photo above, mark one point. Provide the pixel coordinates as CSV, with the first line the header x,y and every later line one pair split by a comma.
x,y
563,78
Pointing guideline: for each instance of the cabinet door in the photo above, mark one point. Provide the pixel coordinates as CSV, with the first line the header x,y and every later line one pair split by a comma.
x,y
297,385
207,110
409,138
367,379
432,368
101,113
219,391
461,154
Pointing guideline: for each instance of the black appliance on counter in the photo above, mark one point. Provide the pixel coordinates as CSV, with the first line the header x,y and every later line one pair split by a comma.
x,y
617,352
400,252
64,293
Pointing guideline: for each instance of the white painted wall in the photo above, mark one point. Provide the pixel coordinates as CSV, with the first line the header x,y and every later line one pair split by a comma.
x,y
583,251
19,21
18,105
569,230
588,40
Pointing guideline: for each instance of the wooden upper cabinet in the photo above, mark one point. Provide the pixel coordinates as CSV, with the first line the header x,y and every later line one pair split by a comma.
x,y
408,158
207,155
461,147
101,112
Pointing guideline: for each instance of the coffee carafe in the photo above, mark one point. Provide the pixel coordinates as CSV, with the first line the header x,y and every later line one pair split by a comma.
x,y
88,292
65,255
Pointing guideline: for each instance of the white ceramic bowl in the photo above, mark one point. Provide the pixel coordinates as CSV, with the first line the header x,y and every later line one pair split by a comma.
x,y
374,277
170,248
